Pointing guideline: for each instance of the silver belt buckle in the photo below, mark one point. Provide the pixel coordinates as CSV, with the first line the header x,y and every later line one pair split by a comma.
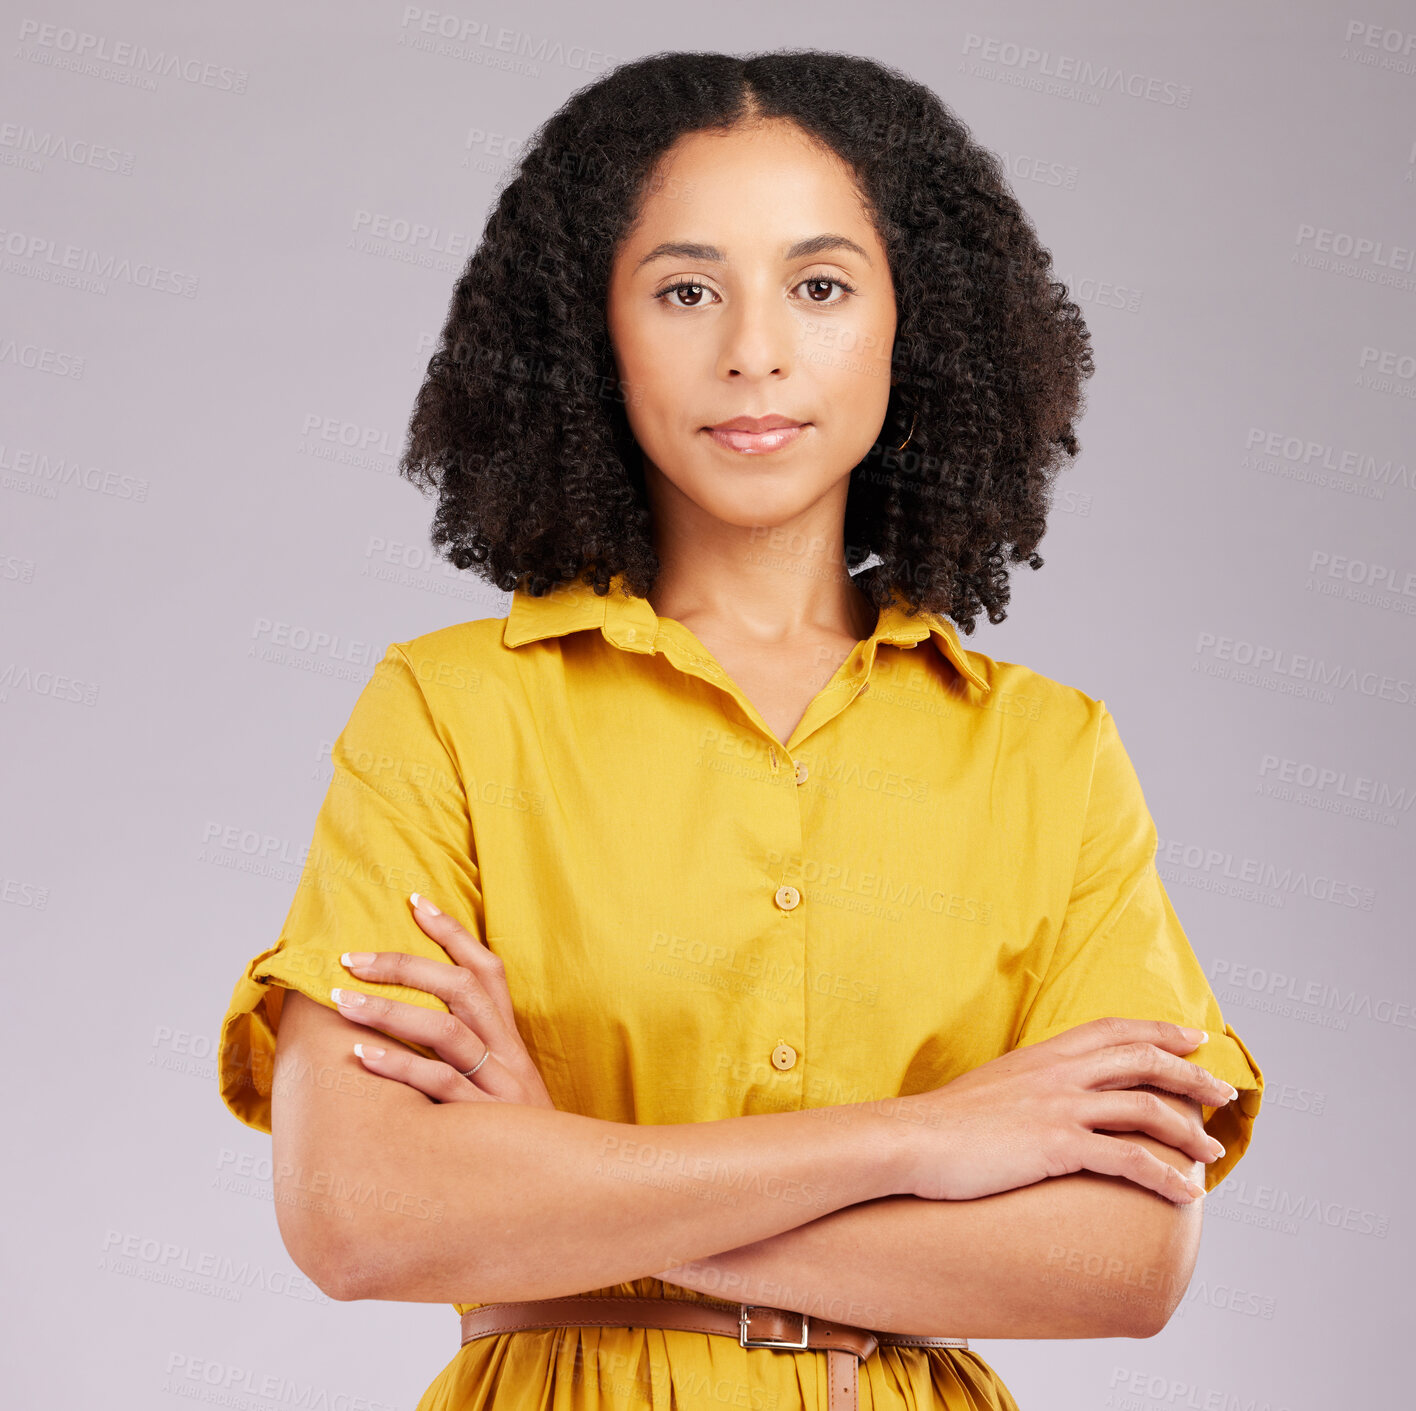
x,y
746,1341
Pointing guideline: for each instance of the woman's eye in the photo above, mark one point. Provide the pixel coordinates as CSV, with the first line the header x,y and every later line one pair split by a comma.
x,y
820,279
698,290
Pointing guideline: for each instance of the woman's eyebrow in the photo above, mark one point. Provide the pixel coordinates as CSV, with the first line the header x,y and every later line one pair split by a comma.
x,y
711,254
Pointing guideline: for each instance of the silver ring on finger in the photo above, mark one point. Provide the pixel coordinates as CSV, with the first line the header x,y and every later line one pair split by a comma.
x,y
477,1065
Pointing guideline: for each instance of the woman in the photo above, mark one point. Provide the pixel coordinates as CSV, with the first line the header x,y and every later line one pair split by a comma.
x,y
806,967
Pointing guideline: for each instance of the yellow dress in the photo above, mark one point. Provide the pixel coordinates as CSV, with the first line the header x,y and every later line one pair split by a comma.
x,y
950,857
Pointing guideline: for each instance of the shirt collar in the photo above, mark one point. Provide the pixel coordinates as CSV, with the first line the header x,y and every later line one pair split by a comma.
x,y
631,623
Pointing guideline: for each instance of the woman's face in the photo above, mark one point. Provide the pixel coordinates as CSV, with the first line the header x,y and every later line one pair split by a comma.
x,y
755,286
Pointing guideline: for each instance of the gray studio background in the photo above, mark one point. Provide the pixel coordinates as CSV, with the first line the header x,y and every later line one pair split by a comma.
x,y
214,322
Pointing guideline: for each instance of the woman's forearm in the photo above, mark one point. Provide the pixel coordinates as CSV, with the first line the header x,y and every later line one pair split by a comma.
x,y
542,1204
1082,1255
383,1193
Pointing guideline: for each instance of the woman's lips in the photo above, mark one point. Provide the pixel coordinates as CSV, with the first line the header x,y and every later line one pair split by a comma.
x,y
757,443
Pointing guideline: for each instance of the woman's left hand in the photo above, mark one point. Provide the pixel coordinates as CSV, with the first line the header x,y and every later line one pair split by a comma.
x,y
475,991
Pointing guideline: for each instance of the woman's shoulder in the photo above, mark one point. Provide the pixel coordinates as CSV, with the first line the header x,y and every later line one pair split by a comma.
x,y
1016,689
459,644
454,661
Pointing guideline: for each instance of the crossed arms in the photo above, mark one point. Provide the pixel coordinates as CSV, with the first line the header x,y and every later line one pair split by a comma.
x,y
383,1193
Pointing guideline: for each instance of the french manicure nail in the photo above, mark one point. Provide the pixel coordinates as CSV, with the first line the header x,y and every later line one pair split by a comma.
x,y
349,998
423,904
357,959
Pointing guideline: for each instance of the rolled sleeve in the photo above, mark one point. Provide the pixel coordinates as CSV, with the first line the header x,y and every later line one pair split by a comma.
x,y
1121,950
394,820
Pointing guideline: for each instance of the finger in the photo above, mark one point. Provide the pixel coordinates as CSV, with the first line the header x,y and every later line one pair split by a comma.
x,y
475,991
444,1033
1125,1065
468,950
1098,1033
438,1080
1136,1110
1133,1162
457,987
450,1037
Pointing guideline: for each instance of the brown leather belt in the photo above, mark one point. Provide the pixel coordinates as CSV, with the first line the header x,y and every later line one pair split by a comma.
x,y
752,1324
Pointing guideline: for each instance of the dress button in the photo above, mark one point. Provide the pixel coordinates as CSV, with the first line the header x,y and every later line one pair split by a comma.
x,y
788,898
783,1056
800,772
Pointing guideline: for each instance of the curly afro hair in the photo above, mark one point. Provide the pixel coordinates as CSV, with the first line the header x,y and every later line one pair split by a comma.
x,y
519,424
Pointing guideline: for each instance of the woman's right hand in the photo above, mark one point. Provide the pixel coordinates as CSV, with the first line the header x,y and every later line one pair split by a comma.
x,y
1036,1112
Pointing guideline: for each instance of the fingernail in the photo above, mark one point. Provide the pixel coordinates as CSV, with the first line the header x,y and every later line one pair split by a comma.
x,y
1233,1091
356,959
423,904
1198,1192
370,1052
350,998
1195,1036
